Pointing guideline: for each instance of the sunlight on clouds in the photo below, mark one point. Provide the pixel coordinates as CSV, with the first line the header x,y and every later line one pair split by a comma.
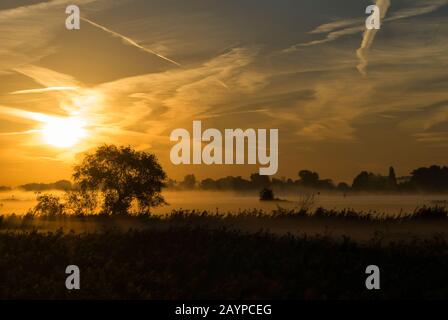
x,y
55,131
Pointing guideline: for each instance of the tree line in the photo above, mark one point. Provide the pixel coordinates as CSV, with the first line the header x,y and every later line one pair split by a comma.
x,y
120,180
109,164
433,178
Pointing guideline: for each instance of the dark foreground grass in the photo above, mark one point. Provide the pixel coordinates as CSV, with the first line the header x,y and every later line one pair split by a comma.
x,y
188,262
433,214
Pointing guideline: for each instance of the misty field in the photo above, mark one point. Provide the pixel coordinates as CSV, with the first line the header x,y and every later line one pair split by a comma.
x,y
224,245
18,202
244,255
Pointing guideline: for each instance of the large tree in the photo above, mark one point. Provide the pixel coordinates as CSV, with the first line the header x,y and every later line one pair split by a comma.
x,y
122,175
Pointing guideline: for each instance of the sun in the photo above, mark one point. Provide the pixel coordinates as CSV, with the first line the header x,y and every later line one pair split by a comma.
x,y
63,132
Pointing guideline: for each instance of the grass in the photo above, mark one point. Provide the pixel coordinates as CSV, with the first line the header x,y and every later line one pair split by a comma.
x,y
203,255
202,263
420,213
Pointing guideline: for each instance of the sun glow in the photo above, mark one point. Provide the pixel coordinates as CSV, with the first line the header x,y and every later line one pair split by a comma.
x,y
63,132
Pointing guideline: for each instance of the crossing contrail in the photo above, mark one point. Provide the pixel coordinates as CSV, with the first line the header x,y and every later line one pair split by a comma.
x,y
369,37
130,41
43,90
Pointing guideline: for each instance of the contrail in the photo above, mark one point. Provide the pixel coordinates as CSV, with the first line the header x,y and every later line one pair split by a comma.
x,y
18,133
223,114
369,37
42,90
130,41
222,84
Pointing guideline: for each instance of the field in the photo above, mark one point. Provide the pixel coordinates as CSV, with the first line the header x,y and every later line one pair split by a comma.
x,y
18,201
201,255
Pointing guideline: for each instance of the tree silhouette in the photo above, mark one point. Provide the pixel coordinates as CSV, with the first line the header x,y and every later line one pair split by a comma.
x,y
122,175
434,178
392,178
259,181
309,178
266,194
189,182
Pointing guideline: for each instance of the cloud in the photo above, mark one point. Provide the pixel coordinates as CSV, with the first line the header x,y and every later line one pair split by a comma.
x,y
431,137
427,118
337,29
27,31
48,78
157,103
331,36
140,109
22,114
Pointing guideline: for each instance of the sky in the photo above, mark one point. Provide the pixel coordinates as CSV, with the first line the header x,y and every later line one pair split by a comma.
x,y
343,99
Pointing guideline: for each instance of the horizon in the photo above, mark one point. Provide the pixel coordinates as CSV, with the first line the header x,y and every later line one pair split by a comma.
x,y
247,178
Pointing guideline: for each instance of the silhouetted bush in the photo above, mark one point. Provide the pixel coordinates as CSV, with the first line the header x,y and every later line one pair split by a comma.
x,y
266,194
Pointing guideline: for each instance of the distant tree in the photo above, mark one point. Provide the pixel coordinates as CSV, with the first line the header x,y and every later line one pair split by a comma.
x,y
325,184
258,181
208,184
241,184
434,178
122,175
278,183
392,177
4,188
171,183
227,183
189,182
63,185
342,186
370,182
362,181
309,178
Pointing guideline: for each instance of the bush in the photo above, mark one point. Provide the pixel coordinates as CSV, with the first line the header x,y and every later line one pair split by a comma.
x,y
266,194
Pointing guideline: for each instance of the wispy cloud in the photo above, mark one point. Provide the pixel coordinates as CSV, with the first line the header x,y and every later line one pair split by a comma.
x,y
337,29
153,102
23,114
17,133
426,119
27,31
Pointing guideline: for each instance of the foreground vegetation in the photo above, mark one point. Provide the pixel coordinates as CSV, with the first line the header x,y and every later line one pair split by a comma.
x,y
423,223
201,255
199,262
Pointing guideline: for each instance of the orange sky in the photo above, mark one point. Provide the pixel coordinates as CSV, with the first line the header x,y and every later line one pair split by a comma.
x,y
140,69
